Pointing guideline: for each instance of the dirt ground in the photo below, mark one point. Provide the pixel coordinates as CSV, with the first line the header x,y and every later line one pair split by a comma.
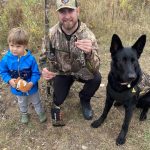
x,y
77,134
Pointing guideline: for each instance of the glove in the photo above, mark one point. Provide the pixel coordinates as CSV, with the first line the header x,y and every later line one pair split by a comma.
x,y
22,85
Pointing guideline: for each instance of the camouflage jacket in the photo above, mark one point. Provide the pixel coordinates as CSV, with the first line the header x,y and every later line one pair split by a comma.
x,y
144,85
70,59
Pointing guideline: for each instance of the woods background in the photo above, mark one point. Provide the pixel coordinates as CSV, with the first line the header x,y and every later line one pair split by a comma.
x,y
128,18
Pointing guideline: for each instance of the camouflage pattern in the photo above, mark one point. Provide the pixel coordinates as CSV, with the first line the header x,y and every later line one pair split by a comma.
x,y
70,60
65,4
144,85
42,60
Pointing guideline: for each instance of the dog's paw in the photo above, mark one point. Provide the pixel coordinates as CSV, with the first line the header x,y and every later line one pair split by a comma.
x,y
120,141
143,117
96,124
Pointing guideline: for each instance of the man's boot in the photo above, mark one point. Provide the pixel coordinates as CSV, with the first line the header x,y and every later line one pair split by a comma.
x,y
57,116
86,110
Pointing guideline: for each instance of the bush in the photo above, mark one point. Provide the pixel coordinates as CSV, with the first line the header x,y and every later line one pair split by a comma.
x,y
125,17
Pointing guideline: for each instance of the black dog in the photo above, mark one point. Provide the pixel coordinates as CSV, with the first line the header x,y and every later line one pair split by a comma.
x,y
123,80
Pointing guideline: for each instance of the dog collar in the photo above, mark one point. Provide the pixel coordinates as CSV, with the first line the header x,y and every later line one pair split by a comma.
x,y
123,95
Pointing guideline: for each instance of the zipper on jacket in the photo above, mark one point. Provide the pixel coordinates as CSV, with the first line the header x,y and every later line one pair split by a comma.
x,y
73,39
68,43
24,93
19,66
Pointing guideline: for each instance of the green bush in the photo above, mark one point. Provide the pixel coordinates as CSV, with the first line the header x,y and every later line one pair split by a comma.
x,y
128,18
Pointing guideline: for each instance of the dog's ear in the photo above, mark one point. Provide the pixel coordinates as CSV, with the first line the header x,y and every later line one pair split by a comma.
x,y
139,45
116,44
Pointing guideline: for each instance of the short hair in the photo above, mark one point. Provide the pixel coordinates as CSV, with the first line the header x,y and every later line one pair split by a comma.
x,y
18,36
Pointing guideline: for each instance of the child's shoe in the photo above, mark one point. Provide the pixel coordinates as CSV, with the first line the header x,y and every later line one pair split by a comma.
x,y
42,117
24,118
57,116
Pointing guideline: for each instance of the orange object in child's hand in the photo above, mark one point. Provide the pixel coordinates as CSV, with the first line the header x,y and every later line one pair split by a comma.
x,y
22,85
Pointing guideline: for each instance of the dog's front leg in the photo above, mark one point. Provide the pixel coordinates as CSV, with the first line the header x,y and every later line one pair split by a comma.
x,y
128,115
108,104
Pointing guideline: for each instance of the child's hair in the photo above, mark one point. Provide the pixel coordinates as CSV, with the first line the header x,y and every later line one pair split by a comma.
x,y
18,36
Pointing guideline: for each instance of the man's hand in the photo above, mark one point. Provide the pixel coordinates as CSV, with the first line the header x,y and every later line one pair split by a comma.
x,y
48,74
12,83
85,45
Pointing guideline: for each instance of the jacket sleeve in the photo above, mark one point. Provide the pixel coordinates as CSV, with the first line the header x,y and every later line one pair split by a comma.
x,y
35,72
4,71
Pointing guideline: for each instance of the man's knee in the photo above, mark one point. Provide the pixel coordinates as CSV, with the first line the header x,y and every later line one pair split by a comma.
x,y
97,78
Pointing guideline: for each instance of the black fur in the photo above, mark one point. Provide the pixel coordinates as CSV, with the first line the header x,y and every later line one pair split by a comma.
x,y
123,78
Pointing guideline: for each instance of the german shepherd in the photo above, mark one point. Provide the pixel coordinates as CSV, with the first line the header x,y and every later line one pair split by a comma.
x,y
123,79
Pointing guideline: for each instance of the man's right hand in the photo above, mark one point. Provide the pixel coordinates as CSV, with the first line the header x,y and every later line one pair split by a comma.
x,y
48,74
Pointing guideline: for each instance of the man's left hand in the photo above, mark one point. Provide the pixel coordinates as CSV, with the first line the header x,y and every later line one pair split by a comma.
x,y
85,45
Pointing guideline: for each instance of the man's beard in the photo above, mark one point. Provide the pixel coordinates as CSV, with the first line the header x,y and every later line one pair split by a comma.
x,y
68,25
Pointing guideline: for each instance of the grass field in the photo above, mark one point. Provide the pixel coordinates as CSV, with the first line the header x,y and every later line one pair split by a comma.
x,y
77,134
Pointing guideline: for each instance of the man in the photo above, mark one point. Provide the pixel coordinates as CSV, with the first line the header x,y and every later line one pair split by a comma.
x,y
74,48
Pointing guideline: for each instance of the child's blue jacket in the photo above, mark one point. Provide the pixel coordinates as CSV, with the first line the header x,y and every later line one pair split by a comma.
x,y
25,67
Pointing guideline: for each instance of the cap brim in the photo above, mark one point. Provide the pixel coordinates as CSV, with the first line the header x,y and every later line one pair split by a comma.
x,y
66,7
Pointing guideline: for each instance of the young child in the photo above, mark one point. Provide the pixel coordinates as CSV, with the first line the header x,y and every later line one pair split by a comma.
x,y
19,62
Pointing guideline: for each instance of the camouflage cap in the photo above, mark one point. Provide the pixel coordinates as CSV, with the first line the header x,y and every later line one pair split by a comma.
x,y
66,4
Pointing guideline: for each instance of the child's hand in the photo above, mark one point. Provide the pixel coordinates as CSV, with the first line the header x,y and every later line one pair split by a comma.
x,y
12,83
27,87
22,85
